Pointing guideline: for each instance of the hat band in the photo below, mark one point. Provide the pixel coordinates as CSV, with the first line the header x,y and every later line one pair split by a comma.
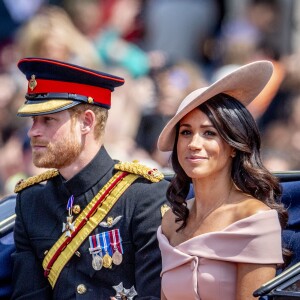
x,y
99,95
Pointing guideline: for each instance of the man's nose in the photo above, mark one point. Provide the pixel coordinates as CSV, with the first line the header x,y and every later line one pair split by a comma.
x,y
34,130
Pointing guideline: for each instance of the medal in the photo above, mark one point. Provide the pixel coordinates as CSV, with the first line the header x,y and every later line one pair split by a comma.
x,y
108,243
105,245
97,262
122,293
69,227
117,257
107,260
96,251
115,239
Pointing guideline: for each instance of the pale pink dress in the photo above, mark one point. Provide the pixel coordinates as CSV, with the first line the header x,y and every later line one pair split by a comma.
x,y
204,267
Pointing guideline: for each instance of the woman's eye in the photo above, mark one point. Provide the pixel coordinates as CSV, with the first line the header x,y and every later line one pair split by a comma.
x,y
210,133
185,132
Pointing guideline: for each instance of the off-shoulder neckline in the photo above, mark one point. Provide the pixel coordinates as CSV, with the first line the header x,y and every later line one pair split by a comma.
x,y
234,224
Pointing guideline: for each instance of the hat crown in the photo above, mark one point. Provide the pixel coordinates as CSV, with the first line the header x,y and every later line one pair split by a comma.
x,y
55,86
190,97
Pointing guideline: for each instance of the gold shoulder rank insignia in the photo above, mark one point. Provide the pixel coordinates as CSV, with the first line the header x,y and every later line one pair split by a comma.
x,y
136,168
163,209
22,184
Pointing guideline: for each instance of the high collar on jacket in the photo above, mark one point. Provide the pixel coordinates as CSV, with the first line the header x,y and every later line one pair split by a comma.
x,y
92,173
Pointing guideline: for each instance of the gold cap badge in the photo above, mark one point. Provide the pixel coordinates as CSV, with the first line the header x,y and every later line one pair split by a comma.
x,y
32,83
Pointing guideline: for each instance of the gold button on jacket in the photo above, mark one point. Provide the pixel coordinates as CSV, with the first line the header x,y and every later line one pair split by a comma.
x,y
81,289
76,209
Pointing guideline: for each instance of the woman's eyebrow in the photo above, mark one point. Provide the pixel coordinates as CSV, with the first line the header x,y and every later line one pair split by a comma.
x,y
201,126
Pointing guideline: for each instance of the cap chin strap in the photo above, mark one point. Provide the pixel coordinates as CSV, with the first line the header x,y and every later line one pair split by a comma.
x,y
34,98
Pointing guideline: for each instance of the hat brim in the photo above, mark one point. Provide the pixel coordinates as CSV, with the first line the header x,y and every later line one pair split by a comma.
x,y
244,84
35,108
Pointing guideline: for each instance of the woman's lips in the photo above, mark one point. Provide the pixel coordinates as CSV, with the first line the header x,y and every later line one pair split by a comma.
x,y
196,157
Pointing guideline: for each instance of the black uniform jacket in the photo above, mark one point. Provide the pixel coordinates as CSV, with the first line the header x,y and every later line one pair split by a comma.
x,y
41,211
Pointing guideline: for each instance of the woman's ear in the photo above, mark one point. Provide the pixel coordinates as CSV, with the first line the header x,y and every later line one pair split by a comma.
x,y
233,153
87,121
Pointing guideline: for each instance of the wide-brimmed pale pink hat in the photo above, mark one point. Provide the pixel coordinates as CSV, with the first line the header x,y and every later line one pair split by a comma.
x,y
244,84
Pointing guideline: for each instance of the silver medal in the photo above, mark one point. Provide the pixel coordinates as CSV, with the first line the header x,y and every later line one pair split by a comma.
x,y
97,262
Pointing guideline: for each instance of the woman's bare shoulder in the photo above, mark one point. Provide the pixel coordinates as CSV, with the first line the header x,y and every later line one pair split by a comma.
x,y
250,206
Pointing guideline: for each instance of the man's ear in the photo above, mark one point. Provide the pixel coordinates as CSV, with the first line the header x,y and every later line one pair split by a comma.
x,y
87,121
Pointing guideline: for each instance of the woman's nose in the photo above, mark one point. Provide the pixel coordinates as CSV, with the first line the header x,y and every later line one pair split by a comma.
x,y
196,142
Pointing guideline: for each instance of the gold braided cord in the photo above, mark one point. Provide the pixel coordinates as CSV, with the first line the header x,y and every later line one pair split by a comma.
x,y
136,168
86,230
35,179
131,167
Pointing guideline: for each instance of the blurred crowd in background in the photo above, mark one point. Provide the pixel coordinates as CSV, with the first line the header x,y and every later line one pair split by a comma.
x,y
164,49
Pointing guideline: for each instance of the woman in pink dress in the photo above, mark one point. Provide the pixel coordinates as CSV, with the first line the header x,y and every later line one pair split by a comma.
x,y
225,242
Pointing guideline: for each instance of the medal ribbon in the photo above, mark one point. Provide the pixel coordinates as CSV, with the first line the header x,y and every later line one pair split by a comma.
x,y
104,240
70,204
116,240
94,244
98,243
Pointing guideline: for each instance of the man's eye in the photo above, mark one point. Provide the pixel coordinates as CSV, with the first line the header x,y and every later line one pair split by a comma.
x,y
48,119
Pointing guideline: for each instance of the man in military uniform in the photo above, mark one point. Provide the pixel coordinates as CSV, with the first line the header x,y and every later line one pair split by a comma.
x,y
86,228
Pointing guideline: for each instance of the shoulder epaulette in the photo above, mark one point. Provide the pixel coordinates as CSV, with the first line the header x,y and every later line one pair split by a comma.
x,y
136,168
35,179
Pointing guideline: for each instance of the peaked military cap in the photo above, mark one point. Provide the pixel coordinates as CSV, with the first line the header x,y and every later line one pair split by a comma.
x,y
54,86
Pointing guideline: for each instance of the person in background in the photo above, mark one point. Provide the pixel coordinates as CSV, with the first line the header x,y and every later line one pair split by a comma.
x,y
51,33
108,24
90,230
226,241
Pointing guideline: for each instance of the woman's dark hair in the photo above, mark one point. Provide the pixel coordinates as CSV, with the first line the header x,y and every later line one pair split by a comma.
x,y
237,127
